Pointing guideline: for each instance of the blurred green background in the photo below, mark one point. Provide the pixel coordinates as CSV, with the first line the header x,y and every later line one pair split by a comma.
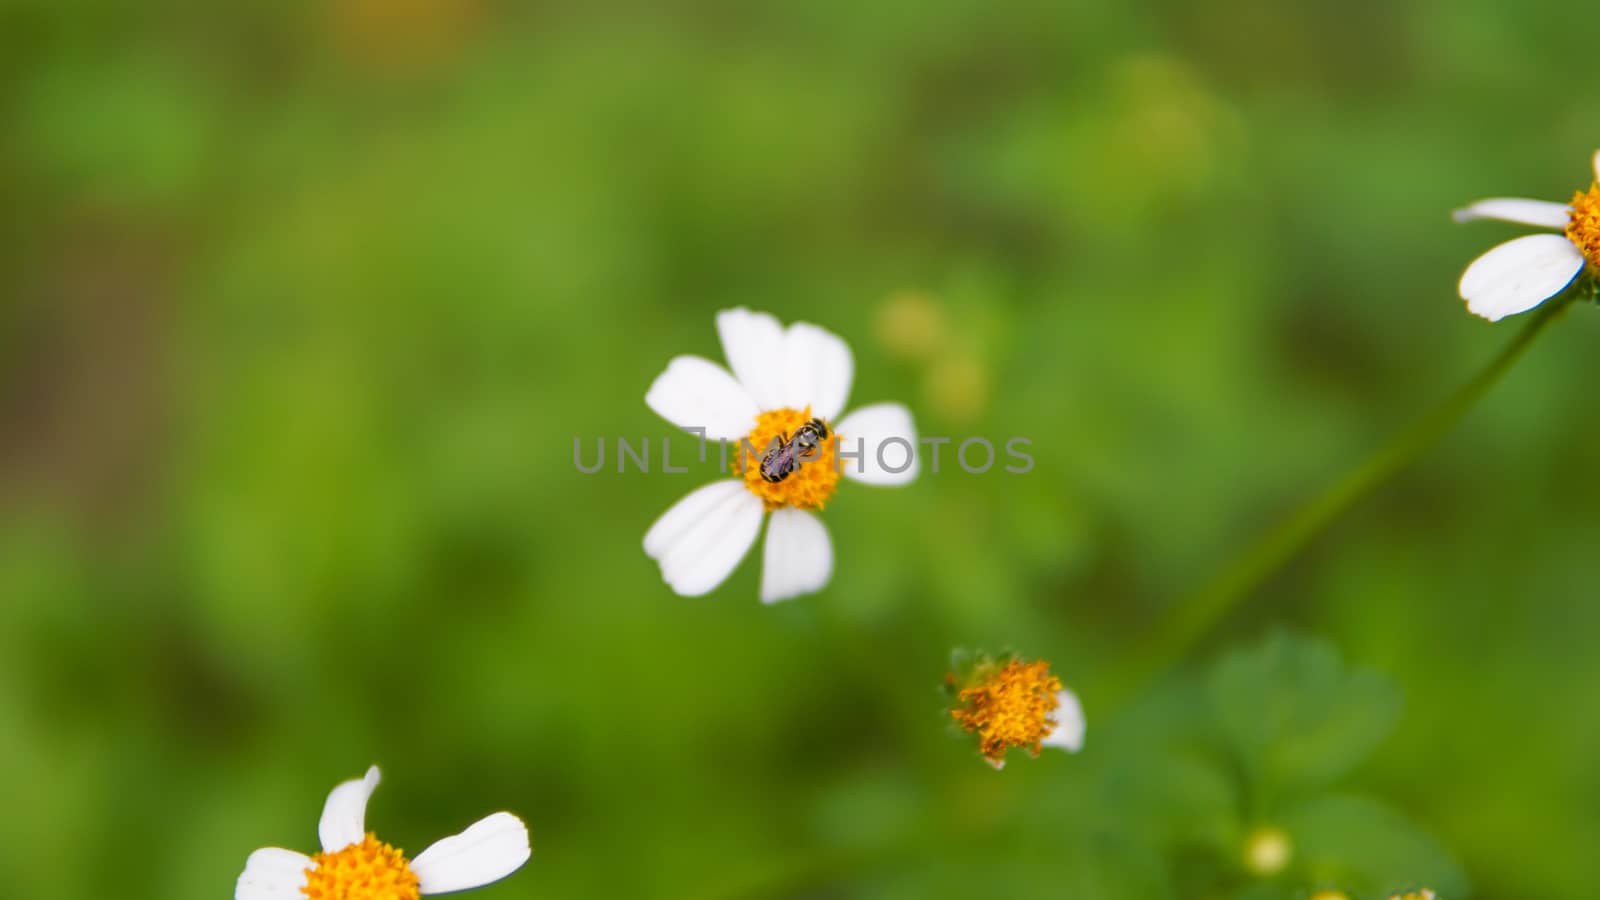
x,y
306,302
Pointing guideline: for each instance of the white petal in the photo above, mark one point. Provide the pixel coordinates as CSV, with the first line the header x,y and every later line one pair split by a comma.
x,y
700,540
695,392
273,873
1068,716
881,426
1542,213
1519,275
489,850
754,345
798,558
1597,165
344,816
818,369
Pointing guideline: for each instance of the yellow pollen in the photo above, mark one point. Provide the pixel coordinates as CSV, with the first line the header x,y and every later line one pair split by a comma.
x,y
1008,706
1583,228
370,870
809,487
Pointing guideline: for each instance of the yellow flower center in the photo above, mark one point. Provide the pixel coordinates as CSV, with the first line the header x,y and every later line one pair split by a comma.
x,y
1009,706
808,487
370,870
1583,228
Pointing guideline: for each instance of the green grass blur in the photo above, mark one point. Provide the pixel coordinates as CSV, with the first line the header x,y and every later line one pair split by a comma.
x,y
306,303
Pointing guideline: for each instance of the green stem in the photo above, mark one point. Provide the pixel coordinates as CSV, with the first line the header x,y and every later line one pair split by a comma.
x,y
1194,616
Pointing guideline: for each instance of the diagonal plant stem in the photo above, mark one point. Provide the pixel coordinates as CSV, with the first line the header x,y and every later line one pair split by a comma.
x,y
1195,615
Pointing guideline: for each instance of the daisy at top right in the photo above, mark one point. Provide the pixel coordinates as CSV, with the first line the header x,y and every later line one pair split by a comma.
x,y
1524,272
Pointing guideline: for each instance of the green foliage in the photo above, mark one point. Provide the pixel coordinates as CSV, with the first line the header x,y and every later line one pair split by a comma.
x,y
1295,718
1370,849
1259,743
306,302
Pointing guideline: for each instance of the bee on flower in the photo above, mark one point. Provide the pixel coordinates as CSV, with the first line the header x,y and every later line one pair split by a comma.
x,y
1012,702
1522,273
355,865
781,406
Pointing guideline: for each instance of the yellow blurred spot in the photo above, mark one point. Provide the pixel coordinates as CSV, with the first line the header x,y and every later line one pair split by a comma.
x,y
958,385
1170,122
1330,895
1423,894
1268,851
402,35
911,325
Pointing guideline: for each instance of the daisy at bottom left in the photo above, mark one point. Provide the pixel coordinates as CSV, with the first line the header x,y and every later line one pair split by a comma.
x,y
355,865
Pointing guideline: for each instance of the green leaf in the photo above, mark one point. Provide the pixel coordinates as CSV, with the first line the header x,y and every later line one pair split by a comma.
x,y
1370,849
1109,868
1270,890
1296,716
1178,797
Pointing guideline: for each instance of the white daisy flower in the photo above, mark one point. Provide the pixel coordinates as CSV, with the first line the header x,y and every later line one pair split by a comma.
x,y
1524,272
355,864
782,380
